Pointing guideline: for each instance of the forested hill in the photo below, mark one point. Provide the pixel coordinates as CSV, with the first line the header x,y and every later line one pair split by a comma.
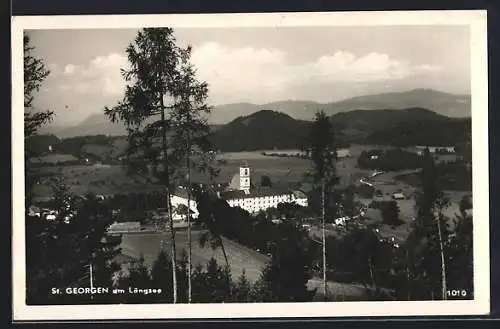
x,y
267,130
410,126
413,126
263,130
425,132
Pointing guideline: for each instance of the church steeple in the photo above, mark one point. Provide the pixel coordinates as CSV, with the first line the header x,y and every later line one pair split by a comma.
x,y
245,177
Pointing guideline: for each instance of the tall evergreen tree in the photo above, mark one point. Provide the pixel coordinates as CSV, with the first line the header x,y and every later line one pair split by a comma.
x,y
460,267
323,154
431,230
214,227
137,277
35,73
163,108
285,277
161,277
390,213
211,285
189,117
242,289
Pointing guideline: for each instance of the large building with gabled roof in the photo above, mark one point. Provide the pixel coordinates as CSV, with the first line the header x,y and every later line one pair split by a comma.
x,y
241,194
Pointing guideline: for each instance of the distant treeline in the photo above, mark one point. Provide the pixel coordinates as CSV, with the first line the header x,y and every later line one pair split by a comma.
x,y
389,160
449,132
267,130
453,176
39,144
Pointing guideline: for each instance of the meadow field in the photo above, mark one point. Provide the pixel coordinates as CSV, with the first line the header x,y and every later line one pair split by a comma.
x,y
283,171
99,178
239,257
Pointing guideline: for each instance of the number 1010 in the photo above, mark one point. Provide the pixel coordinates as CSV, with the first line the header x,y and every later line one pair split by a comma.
x,y
456,293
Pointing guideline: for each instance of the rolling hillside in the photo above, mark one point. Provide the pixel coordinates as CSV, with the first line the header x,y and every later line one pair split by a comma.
x,y
358,124
439,102
413,126
266,130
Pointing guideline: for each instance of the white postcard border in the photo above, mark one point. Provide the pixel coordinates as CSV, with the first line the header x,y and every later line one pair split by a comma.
x,y
475,19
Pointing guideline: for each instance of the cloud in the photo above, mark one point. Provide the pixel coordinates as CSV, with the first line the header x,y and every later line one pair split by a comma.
x,y
259,71
237,74
100,76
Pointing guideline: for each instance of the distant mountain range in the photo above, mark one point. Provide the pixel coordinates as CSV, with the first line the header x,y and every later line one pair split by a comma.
x,y
441,103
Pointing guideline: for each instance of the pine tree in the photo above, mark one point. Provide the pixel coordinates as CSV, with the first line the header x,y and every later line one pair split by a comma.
x,y
285,277
35,73
213,235
431,231
162,82
323,154
161,277
182,277
390,213
155,61
242,289
460,255
188,116
212,285
137,277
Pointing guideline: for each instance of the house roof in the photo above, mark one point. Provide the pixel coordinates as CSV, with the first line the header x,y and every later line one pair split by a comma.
x,y
299,194
180,192
235,182
254,193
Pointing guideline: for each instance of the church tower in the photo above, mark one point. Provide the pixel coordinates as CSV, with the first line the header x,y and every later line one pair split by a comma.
x,y
245,178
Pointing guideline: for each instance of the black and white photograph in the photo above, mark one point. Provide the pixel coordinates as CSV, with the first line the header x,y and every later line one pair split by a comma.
x,y
250,165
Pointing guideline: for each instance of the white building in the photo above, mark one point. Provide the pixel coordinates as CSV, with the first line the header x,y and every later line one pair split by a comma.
x,y
179,200
240,194
254,200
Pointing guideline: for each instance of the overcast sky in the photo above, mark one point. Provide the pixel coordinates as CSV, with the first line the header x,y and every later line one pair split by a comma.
x,y
260,65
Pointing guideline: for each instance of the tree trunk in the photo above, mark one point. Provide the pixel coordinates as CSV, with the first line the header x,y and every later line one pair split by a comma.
x,y
188,165
227,264
408,281
323,237
169,203
443,265
370,267
224,252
